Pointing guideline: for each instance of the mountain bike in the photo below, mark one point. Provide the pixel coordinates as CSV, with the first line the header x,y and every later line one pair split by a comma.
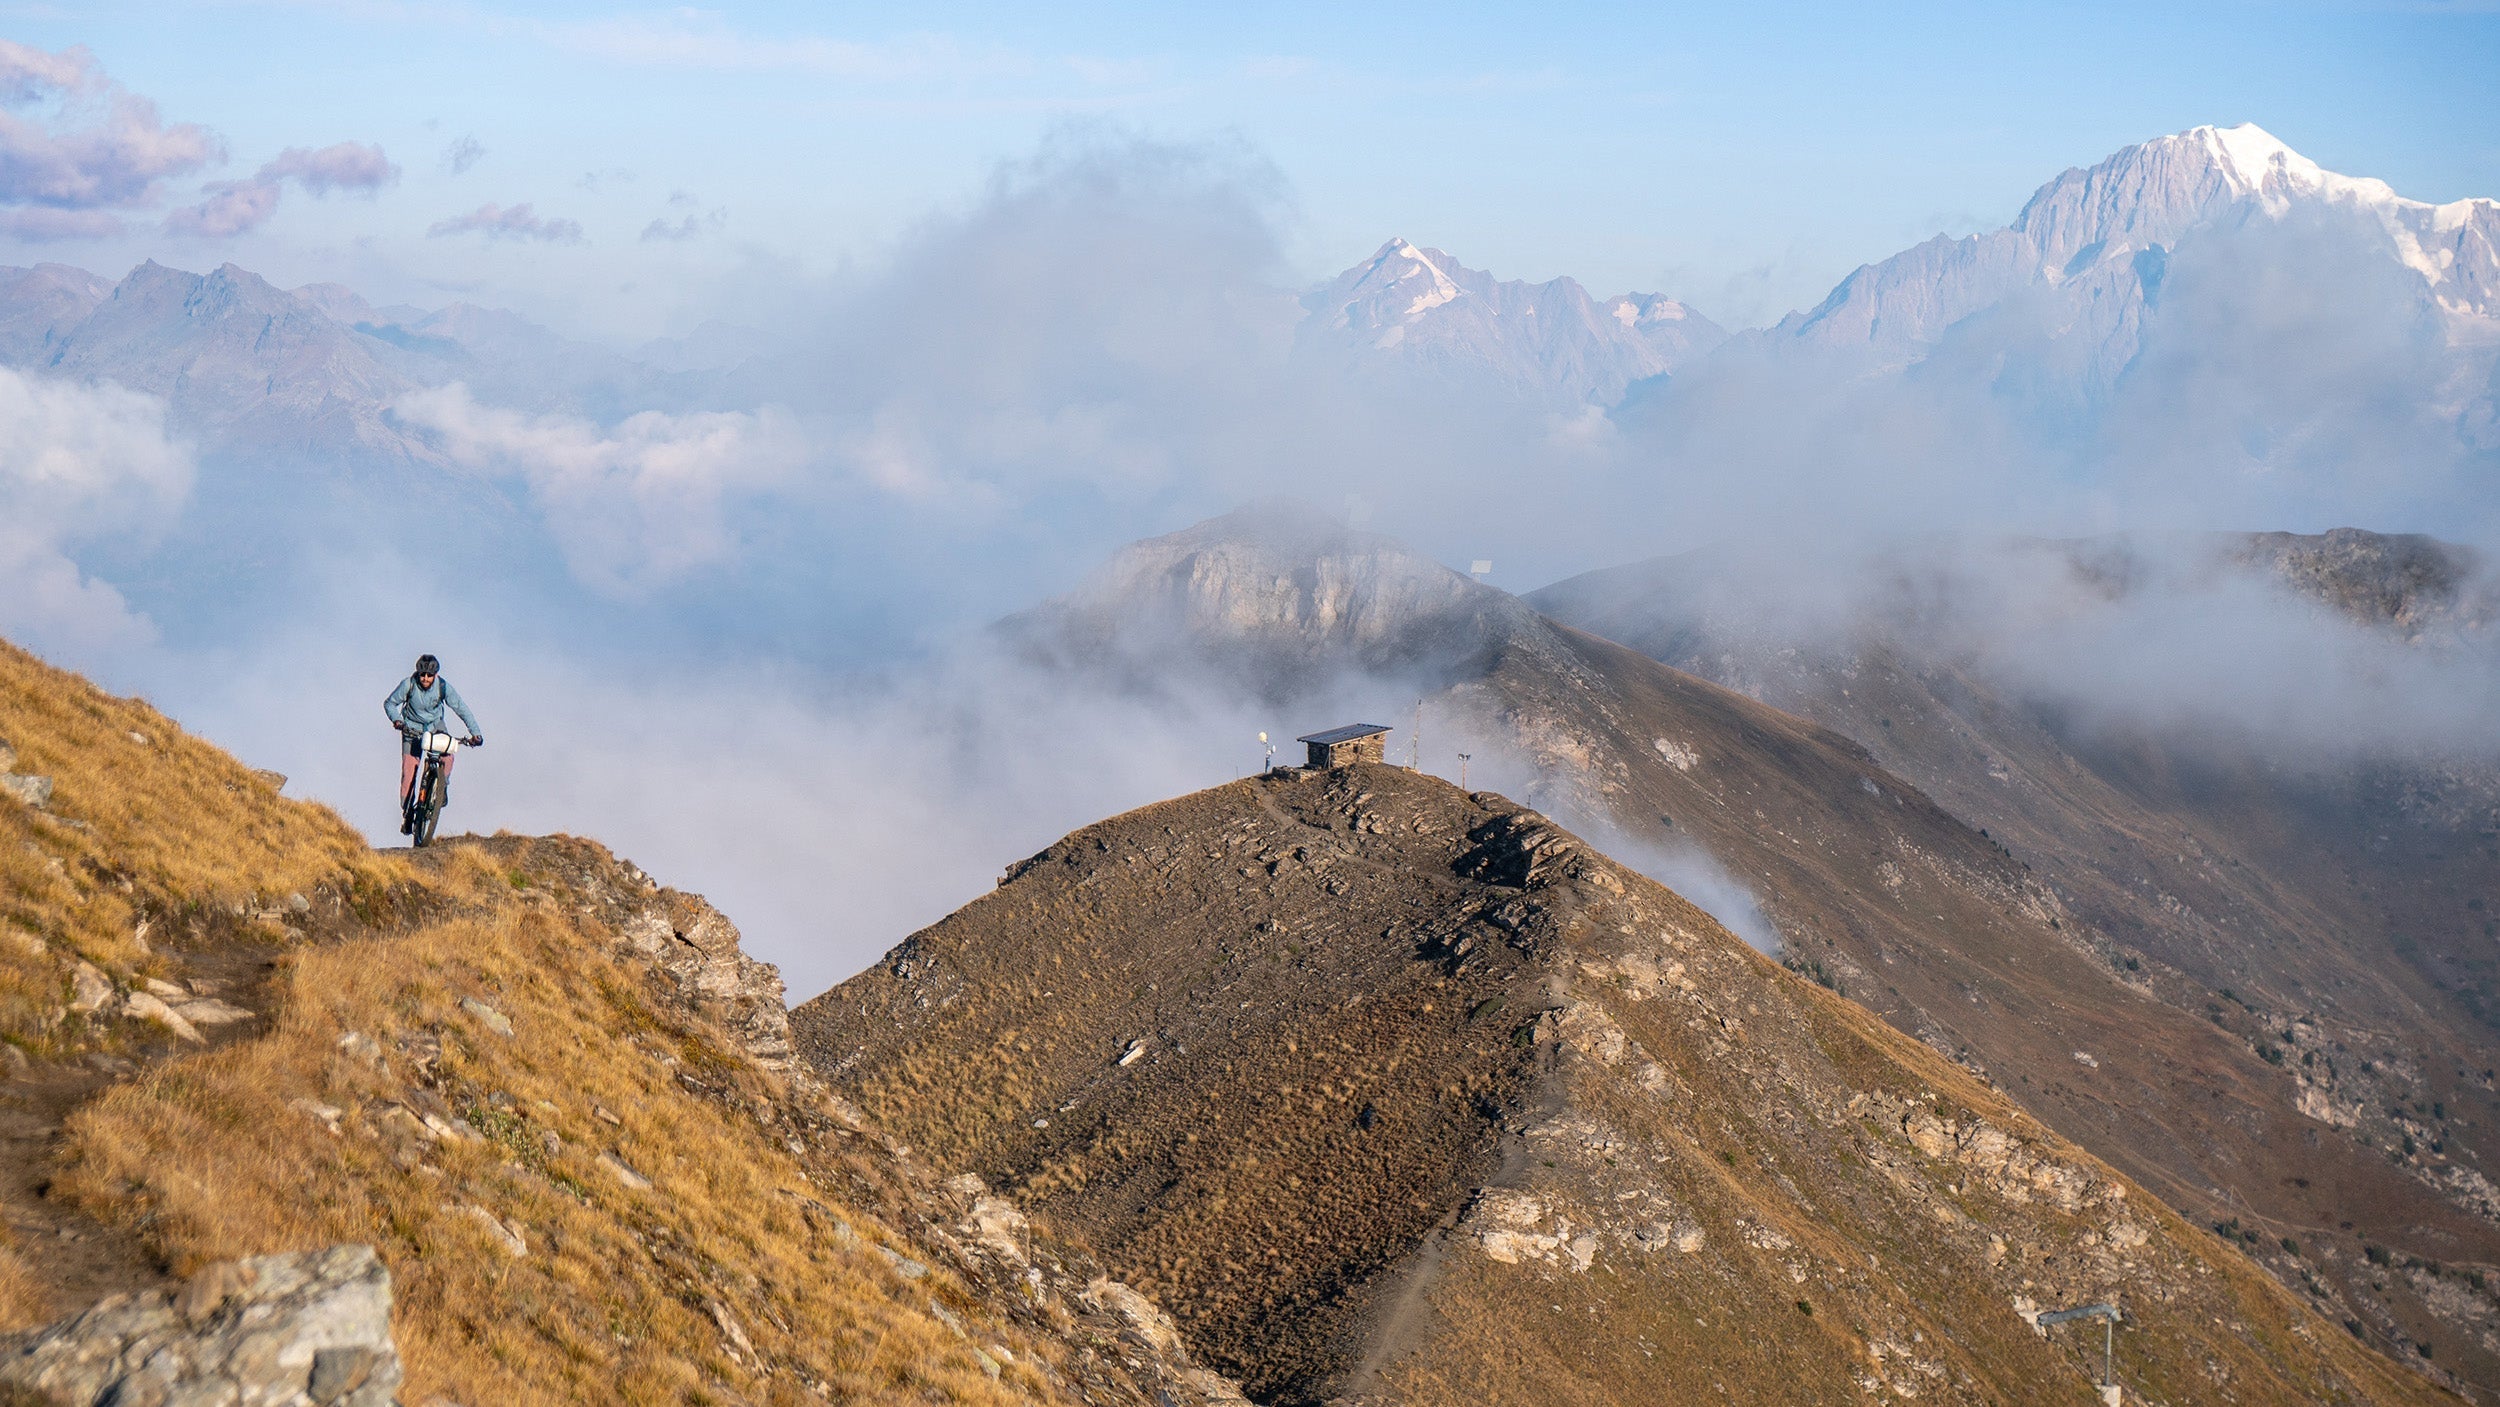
x,y
423,807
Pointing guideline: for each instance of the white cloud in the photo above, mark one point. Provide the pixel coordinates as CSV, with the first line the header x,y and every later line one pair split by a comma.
x,y
236,207
90,145
515,222
76,461
634,506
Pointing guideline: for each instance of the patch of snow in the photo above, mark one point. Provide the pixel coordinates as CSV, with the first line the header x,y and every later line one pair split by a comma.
x,y
1442,291
2257,165
2455,213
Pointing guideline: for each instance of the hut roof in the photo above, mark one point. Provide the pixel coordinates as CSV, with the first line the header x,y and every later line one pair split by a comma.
x,y
1346,734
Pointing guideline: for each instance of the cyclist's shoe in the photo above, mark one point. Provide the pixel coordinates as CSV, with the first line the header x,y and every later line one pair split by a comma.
x,y
407,825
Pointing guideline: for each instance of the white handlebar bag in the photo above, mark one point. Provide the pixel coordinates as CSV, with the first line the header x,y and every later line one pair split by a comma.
x,y
438,743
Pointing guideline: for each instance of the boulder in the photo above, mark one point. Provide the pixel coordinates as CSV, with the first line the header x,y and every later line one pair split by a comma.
x,y
147,1006
90,990
33,791
306,1330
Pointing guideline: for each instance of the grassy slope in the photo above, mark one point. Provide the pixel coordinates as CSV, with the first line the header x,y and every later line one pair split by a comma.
x,y
615,1294
1317,1043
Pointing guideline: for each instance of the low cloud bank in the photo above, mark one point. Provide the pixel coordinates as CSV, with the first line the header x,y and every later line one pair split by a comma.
x,y
634,506
77,463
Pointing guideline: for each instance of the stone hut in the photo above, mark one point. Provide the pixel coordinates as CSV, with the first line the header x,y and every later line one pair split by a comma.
x,y
1339,747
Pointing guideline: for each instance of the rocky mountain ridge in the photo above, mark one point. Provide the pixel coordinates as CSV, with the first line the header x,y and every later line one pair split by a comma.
x,y
268,373
2326,916
1397,1093
2094,244
1548,341
2097,1006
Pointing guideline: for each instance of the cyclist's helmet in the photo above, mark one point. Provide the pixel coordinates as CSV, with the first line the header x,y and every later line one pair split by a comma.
x,y
427,664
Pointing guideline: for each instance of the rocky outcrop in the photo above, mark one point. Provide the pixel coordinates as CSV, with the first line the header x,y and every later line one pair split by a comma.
x,y
696,946
33,791
2419,587
306,1330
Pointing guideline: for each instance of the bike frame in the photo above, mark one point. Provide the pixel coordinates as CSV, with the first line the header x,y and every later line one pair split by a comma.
x,y
419,805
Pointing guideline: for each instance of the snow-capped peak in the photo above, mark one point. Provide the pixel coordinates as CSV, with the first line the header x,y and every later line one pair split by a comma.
x,y
1439,290
2247,154
2256,163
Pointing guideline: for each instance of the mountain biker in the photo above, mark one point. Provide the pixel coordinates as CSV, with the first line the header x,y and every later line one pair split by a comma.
x,y
415,709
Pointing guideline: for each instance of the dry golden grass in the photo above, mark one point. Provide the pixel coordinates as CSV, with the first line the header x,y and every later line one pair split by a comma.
x,y
213,1156
622,1295
22,1296
147,826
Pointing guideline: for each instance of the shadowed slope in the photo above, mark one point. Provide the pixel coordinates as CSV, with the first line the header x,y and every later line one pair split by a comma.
x,y
2317,917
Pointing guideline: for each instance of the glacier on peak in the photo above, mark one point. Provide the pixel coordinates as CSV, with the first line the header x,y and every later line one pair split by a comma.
x,y
2097,239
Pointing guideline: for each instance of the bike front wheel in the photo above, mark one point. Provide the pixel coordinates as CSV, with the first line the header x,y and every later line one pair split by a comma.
x,y
429,806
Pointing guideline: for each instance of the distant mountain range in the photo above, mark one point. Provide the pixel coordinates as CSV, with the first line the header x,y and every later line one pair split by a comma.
x,y
254,369
2096,243
1547,341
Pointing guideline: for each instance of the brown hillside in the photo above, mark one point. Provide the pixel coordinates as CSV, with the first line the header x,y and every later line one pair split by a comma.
x,y
553,1095
2331,925
1396,1093
1905,904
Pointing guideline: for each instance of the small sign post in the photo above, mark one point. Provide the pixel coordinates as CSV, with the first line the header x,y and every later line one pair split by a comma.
x,y
2111,1393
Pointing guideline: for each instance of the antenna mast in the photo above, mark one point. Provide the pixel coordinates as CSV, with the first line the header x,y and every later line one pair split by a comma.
x,y
1415,741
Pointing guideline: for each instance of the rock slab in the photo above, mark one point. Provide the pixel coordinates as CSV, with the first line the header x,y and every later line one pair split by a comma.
x,y
311,1329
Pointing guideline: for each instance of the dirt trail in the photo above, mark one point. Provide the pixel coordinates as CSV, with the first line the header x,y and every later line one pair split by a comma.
x,y
77,1258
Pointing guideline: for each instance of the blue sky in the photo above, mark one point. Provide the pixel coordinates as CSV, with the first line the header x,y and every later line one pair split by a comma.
x,y
1742,158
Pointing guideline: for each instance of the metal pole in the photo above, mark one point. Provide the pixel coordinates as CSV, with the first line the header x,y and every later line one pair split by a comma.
x,y
1462,770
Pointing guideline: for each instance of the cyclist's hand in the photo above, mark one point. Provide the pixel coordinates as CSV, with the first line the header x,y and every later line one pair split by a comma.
x,y
477,740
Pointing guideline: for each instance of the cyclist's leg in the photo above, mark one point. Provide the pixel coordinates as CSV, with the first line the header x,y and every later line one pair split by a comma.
x,y
442,788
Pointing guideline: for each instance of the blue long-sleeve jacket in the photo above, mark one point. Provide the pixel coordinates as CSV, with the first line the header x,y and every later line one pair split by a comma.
x,y
412,707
